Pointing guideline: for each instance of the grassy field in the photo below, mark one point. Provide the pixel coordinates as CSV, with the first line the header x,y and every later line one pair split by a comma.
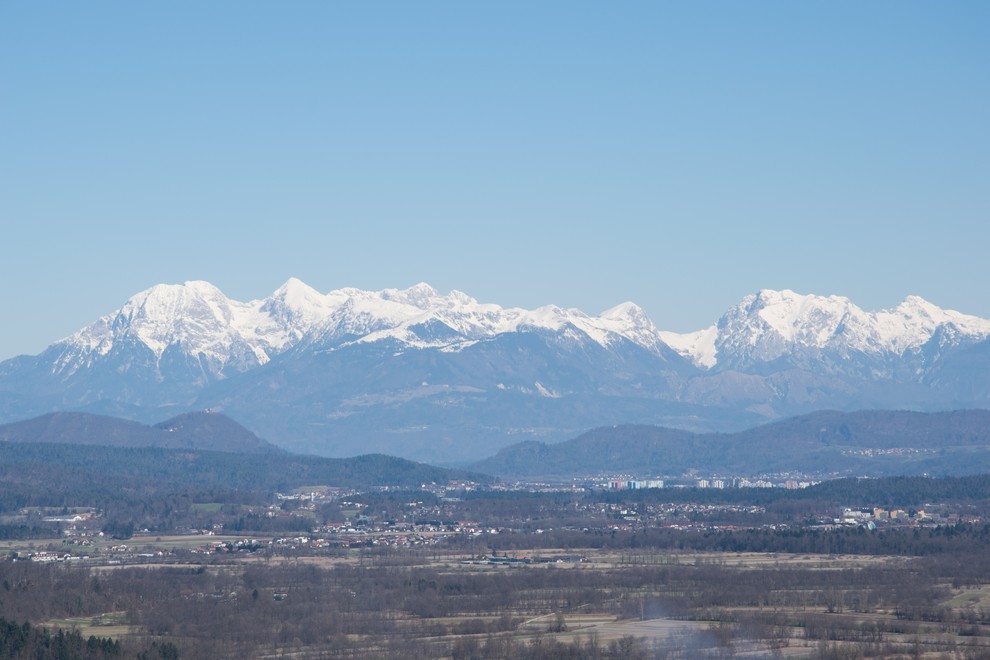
x,y
109,624
971,598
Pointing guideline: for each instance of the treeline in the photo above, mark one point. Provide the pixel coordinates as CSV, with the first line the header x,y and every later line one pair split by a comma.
x,y
412,608
28,531
969,540
27,641
40,643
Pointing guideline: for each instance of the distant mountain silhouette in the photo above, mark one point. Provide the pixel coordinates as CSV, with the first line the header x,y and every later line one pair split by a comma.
x,y
871,442
198,430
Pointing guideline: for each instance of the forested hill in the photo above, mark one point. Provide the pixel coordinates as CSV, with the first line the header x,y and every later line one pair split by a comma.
x,y
865,443
200,430
72,475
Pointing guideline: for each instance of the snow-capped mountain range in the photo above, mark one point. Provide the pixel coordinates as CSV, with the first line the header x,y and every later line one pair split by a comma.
x,y
228,335
433,373
202,321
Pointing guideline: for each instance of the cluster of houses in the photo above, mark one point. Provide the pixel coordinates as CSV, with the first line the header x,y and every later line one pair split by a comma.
x,y
48,557
505,559
872,517
613,483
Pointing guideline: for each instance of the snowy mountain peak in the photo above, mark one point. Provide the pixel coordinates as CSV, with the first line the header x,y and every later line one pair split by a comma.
x,y
919,308
807,319
460,298
624,311
200,286
295,301
162,312
771,324
787,303
921,319
630,321
420,295
628,318
296,289
195,318
282,319
432,366
162,297
198,321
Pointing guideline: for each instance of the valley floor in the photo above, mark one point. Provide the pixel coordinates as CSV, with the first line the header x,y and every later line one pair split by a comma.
x,y
591,602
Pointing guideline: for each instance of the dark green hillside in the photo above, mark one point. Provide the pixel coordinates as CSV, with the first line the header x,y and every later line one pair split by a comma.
x,y
73,475
881,429
865,443
199,430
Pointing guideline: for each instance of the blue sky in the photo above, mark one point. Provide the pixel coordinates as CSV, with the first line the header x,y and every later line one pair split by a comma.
x,y
680,155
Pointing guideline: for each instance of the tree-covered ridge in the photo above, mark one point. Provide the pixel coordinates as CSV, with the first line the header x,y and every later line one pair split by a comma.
x,y
827,442
70,475
199,430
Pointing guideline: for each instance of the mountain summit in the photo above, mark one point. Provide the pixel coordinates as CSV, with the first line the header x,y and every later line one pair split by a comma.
x,y
769,325
196,320
436,376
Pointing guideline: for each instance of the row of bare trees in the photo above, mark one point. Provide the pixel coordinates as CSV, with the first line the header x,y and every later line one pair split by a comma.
x,y
358,609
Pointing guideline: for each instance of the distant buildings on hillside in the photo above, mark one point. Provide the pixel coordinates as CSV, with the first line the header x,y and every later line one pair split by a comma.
x,y
634,484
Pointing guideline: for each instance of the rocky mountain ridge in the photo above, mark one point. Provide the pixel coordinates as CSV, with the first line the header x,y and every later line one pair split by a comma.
x,y
443,377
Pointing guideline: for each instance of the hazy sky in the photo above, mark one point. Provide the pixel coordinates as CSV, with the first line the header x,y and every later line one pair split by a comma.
x,y
680,155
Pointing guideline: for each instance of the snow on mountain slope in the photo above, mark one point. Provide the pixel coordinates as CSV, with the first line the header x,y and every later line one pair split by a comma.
x,y
914,322
195,316
289,313
402,315
200,321
438,368
197,319
771,324
698,346
630,321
